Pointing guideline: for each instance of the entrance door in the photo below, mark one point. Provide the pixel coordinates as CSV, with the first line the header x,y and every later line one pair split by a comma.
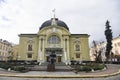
x,y
59,58
57,51
48,58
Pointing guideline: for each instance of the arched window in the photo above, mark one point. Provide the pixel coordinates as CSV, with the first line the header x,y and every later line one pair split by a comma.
x,y
53,39
77,47
29,47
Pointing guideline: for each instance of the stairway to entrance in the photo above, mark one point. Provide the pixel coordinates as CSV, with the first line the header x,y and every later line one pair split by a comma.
x,y
58,67
56,64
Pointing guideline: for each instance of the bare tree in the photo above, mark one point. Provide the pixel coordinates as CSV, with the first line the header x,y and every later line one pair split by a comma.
x,y
98,57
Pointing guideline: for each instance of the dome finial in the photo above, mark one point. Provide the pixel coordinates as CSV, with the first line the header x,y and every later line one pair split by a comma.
x,y
53,12
53,20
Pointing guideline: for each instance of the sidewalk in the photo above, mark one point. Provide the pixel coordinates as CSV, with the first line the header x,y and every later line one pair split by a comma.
x,y
111,71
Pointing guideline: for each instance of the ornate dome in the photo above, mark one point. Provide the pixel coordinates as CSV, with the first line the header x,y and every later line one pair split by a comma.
x,y
52,22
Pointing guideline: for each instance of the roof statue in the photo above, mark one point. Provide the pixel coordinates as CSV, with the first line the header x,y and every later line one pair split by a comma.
x,y
53,23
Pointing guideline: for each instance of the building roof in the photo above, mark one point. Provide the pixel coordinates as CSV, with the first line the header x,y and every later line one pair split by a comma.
x,y
27,35
80,34
58,23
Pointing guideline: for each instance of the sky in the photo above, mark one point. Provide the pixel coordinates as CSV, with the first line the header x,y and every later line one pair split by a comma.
x,y
81,16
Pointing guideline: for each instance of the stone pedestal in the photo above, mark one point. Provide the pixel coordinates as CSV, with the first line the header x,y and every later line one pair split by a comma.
x,y
50,67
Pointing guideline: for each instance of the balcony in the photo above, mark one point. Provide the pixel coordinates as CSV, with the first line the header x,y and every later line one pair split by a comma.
x,y
54,45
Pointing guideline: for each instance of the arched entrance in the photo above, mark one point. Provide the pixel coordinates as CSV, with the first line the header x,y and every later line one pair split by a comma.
x,y
58,53
54,45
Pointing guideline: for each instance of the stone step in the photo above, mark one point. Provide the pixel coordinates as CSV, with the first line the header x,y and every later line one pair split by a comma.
x,y
56,64
44,68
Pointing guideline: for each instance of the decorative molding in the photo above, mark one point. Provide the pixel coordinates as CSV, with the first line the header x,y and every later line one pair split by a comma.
x,y
30,41
77,41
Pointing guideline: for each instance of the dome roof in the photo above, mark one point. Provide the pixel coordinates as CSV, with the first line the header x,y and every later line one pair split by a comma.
x,y
57,22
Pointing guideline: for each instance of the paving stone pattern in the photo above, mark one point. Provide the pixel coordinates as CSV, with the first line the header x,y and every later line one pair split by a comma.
x,y
117,77
112,68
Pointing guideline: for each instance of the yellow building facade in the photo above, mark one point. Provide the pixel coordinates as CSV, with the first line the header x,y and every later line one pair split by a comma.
x,y
53,37
15,49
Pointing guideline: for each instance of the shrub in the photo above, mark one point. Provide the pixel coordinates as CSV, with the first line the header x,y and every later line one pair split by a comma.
x,y
19,68
5,65
88,67
84,68
98,66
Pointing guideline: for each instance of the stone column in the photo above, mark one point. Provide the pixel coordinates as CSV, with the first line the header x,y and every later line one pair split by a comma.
x,y
41,50
68,54
38,51
65,55
66,50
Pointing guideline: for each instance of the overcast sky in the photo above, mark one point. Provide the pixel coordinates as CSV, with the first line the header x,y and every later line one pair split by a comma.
x,y
81,16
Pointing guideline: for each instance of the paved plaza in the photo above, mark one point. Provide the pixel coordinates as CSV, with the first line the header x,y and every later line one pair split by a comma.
x,y
37,74
117,77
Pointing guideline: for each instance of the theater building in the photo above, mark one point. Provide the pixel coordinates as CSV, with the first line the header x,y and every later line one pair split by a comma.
x,y
53,36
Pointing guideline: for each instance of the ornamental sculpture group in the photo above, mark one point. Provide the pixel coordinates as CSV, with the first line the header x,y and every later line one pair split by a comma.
x,y
51,65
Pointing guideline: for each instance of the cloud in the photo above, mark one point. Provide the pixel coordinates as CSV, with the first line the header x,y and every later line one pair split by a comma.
x,y
2,1
81,16
5,18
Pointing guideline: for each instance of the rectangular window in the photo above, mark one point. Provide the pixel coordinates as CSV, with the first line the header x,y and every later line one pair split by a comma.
x,y
116,52
0,46
77,55
118,43
29,55
115,45
3,47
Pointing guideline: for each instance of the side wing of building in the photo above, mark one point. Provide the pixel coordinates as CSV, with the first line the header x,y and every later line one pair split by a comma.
x,y
28,47
79,47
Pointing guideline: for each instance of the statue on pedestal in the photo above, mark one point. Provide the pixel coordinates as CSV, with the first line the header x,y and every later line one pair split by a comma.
x,y
51,65
52,58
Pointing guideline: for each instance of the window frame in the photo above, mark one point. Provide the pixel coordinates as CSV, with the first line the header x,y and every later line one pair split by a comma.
x,y
30,47
53,39
77,55
29,55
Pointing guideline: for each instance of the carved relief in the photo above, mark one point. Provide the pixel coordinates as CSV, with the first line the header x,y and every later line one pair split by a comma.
x,y
30,41
54,29
77,41
48,31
